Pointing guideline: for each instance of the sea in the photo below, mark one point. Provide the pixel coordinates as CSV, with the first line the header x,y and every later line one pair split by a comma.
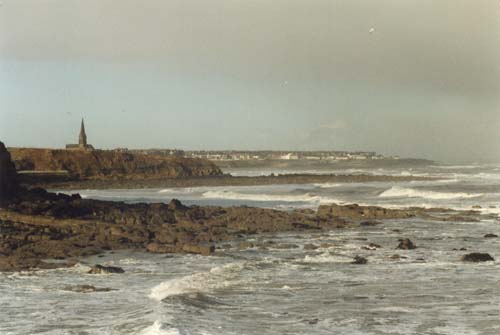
x,y
292,290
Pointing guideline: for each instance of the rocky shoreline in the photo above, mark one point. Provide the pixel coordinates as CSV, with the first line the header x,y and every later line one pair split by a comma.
x,y
225,180
36,225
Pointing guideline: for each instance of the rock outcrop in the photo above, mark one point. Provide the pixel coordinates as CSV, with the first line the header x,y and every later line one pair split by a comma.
x,y
355,211
476,257
9,186
406,244
101,269
108,164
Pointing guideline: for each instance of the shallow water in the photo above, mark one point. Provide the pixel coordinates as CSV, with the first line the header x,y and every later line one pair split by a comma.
x,y
459,188
285,291
276,291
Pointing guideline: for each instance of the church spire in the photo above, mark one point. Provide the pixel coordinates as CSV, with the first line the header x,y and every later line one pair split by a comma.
x,y
82,139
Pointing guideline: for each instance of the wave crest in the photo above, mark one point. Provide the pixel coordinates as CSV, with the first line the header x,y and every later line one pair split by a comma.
x,y
229,195
200,282
400,192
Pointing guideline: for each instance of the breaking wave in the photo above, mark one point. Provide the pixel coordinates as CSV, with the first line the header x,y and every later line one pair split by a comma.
x,y
200,282
399,192
229,195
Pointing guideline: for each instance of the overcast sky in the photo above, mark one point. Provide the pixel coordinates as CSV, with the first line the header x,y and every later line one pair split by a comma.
x,y
417,78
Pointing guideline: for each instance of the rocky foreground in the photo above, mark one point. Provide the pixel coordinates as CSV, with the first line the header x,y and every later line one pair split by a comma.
x,y
36,225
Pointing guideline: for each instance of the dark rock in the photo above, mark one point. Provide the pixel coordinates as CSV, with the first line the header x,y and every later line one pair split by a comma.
x,y
359,260
175,204
87,289
406,244
370,223
312,321
100,269
477,257
490,236
9,185
357,212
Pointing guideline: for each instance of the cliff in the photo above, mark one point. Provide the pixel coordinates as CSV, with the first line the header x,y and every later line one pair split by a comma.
x,y
102,164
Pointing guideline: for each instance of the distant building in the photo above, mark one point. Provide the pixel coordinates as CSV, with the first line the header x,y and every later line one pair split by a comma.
x,y
82,141
290,156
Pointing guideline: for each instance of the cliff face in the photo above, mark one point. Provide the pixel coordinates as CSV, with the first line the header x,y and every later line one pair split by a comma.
x,y
101,164
8,176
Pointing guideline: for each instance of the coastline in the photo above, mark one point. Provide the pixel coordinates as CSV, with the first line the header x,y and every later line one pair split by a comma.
x,y
39,226
215,181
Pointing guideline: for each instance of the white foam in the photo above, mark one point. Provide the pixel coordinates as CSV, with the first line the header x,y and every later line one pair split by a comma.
x,y
159,329
201,282
178,190
230,195
454,167
399,192
327,185
483,175
326,258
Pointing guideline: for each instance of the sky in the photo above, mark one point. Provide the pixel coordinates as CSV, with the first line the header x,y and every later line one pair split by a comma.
x,y
415,78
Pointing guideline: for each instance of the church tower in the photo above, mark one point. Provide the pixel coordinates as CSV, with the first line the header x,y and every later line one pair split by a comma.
x,y
82,139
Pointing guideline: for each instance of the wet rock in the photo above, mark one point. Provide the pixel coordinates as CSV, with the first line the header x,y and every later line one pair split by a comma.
x,y
406,244
285,246
490,235
477,257
87,289
370,223
359,260
175,204
101,269
311,321
159,248
245,245
357,212
310,246
204,250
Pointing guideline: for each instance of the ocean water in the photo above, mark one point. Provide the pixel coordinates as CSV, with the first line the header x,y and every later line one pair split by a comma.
x,y
292,290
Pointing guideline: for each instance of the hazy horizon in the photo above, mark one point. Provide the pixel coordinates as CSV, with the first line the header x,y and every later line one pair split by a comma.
x,y
409,78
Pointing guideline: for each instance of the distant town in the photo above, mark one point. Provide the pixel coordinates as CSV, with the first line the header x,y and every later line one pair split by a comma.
x,y
242,155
